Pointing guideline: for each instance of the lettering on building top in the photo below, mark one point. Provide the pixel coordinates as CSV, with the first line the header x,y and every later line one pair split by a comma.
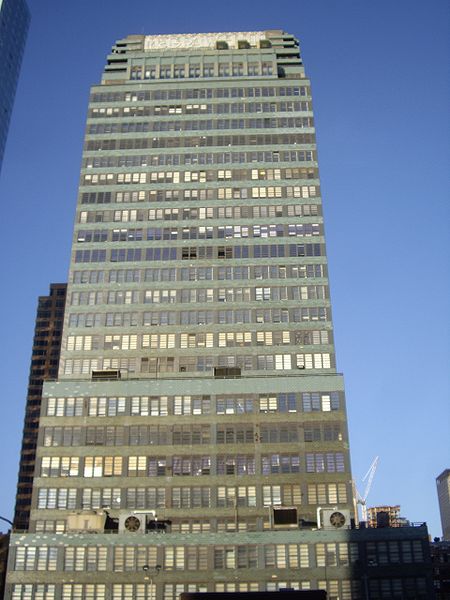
x,y
202,40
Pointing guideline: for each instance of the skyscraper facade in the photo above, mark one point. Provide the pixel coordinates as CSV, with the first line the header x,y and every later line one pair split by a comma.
x,y
197,392
14,23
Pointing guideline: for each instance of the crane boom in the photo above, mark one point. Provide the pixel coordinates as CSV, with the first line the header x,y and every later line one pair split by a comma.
x,y
369,476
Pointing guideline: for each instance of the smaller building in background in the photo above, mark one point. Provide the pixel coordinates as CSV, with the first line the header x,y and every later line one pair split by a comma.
x,y
385,516
443,490
44,365
440,557
14,23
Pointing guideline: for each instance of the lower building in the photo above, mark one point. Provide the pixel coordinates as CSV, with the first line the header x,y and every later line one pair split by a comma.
x,y
350,564
440,557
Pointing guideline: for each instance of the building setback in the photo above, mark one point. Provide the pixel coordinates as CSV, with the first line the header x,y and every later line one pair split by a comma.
x,y
197,430
44,365
14,23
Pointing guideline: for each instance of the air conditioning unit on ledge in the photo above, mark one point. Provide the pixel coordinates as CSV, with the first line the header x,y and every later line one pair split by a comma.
x,y
335,518
130,522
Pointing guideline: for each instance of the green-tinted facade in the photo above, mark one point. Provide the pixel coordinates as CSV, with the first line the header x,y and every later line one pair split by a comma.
x,y
198,253
197,380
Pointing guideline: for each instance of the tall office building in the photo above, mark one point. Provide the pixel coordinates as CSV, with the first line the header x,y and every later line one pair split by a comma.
x,y
197,392
443,490
44,365
14,23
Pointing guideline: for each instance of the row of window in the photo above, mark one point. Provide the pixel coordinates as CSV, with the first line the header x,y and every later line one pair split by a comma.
x,y
198,233
218,108
413,588
199,141
209,194
222,69
199,93
199,158
199,317
193,496
199,363
192,295
165,253
219,273
157,406
134,177
108,128
199,213
197,465
121,559
143,498
197,340
222,496
191,435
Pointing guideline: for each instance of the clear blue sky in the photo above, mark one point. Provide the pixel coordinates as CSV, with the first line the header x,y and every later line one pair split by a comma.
x,y
378,71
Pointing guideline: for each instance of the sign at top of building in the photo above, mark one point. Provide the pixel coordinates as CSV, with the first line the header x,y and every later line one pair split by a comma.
x,y
202,40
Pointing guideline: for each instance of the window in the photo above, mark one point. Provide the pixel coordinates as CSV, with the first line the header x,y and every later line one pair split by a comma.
x,y
317,401
234,405
64,407
29,591
191,497
277,495
59,466
280,463
87,591
232,496
191,465
191,405
174,558
57,498
236,464
329,462
36,558
106,407
102,466
283,556
149,405
327,493
94,498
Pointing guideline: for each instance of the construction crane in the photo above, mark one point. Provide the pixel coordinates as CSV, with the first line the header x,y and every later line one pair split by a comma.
x,y
369,476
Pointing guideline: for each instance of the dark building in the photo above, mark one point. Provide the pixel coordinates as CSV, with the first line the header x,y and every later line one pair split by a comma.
x,y
393,562
440,557
44,365
4,544
14,23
